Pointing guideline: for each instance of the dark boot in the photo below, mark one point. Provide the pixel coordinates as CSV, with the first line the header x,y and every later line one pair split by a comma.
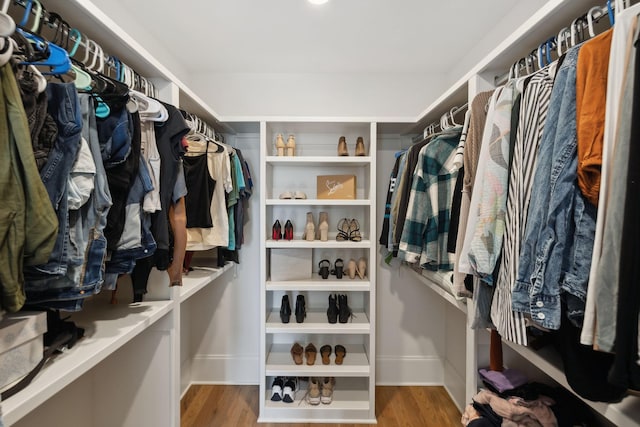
x,y
344,312
285,309
332,311
301,309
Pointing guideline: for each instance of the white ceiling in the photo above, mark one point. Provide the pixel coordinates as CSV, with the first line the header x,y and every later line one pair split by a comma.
x,y
342,36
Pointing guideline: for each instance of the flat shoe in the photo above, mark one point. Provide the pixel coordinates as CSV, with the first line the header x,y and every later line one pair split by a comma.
x,y
340,352
325,352
299,195
310,353
296,353
286,195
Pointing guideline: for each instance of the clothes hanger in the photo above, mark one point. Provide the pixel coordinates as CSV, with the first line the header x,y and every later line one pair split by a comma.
x,y
7,24
594,14
563,37
577,26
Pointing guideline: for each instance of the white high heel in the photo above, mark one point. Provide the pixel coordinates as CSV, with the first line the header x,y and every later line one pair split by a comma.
x,y
310,228
280,145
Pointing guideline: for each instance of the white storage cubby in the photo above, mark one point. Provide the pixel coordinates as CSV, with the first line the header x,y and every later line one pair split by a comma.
x,y
317,154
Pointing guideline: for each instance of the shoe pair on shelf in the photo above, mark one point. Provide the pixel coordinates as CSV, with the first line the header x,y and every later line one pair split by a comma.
x,y
276,230
285,309
298,195
320,390
325,354
342,147
310,232
339,310
284,389
349,229
358,268
310,353
288,149
324,267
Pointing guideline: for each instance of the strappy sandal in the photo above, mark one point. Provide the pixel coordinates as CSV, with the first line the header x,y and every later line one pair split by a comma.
x,y
354,231
310,353
325,352
340,352
343,230
338,268
324,268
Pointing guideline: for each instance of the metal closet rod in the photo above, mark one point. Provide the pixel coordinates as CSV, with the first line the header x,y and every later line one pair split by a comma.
x,y
433,126
580,21
52,23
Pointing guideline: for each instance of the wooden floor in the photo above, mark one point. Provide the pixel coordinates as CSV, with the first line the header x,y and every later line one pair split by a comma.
x,y
237,406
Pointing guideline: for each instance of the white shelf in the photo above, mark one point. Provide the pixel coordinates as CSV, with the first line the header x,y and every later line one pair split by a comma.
x,y
317,244
440,290
317,202
107,328
316,323
331,284
625,413
280,363
199,278
319,160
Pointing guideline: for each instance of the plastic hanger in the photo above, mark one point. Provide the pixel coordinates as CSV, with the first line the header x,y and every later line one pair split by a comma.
x,y
594,14
149,108
563,37
577,30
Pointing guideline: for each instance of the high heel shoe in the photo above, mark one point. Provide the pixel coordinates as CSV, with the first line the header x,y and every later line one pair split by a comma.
x,y
285,309
338,268
291,146
310,228
360,147
343,230
342,147
301,309
323,227
288,230
361,268
352,269
354,231
332,311
323,268
276,230
280,145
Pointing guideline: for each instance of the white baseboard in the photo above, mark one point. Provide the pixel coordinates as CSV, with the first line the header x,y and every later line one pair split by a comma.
x,y
409,370
455,384
225,369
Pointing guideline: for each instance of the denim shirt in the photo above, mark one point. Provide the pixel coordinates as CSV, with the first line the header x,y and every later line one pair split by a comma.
x,y
556,250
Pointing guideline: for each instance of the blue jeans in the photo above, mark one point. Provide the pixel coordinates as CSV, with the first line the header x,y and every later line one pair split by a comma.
x,y
65,110
556,251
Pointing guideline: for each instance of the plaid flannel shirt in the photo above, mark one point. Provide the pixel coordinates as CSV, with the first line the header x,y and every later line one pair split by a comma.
x,y
425,234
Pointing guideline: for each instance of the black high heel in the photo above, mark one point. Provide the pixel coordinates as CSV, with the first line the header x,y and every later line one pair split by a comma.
x,y
338,268
332,311
285,309
324,268
301,309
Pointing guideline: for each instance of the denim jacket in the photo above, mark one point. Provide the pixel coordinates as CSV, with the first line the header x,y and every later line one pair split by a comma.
x,y
556,251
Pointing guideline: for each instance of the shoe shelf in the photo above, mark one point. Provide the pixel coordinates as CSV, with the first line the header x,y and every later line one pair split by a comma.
x,y
316,244
316,323
331,284
317,202
319,160
280,363
348,394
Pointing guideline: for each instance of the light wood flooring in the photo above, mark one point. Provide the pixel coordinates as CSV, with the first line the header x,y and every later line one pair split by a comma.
x,y
237,406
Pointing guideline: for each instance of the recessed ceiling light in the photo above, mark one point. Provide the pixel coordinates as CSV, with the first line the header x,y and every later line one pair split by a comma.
x,y
318,1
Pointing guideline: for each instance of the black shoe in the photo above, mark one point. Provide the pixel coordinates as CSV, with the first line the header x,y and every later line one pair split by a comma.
x,y
276,389
285,309
301,309
332,311
344,312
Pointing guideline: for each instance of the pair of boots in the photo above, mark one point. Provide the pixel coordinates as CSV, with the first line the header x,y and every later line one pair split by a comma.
x,y
322,233
320,390
285,309
338,310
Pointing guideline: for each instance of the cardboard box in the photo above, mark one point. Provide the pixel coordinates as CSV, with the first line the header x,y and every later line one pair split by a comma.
x,y
336,187
291,264
20,345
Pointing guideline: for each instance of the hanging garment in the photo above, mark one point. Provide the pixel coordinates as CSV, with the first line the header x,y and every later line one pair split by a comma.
x,y
151,155
425,234
384,234
394,240
200,187
620,76
533,114
28,223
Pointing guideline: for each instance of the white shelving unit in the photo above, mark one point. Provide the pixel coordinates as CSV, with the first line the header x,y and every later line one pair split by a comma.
x,y
546,22
126,371
354,397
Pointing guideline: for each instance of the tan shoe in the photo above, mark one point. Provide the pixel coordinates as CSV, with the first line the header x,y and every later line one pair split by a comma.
x,y
361,268
360,147
310,228
323,227
342,147
296,353
327,390
291,146
310,352
352,268
313,393
280,145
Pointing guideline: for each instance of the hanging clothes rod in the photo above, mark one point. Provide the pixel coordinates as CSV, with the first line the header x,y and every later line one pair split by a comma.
x,y
443,124
93,51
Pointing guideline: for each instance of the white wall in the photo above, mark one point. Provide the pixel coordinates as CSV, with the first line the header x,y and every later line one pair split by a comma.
x,y
330,94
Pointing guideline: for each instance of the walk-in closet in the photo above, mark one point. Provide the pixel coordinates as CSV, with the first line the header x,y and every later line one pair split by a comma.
x,y
247,212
